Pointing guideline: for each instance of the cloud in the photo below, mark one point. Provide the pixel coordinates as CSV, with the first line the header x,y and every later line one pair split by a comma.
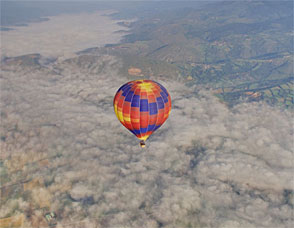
x,y
208,165
63,149
61,36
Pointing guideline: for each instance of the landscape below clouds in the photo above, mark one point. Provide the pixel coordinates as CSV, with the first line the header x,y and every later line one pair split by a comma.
x,y
64,151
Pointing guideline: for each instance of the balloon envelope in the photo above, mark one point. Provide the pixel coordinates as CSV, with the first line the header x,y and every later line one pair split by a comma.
x,y
142,106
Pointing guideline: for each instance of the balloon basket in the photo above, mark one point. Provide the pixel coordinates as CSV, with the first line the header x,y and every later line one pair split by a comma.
x,y
142,144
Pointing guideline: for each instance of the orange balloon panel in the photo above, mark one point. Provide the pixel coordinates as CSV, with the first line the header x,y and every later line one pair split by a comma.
x,y
142,106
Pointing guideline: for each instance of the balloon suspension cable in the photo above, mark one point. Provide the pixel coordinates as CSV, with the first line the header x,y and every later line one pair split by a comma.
x,y
142,144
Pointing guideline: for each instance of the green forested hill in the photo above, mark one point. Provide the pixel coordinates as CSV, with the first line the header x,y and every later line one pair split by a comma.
x,y
242,49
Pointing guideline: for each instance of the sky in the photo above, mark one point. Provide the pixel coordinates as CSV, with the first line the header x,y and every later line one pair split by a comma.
x,y
208,166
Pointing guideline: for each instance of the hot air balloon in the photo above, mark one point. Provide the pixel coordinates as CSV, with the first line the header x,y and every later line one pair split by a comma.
x,y
142,106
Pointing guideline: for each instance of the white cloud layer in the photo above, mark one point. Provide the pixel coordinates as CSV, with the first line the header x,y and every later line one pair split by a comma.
x,y
207,166
63,149
61,35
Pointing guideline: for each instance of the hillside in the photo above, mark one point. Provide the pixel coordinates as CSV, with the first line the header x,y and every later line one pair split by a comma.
x,y
236,48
